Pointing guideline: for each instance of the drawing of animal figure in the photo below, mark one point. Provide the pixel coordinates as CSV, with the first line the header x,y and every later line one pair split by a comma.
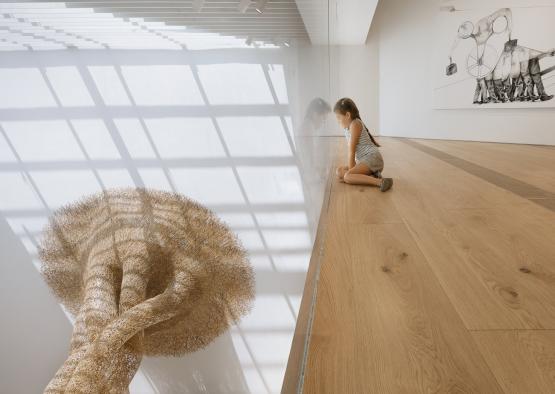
x,y
517,76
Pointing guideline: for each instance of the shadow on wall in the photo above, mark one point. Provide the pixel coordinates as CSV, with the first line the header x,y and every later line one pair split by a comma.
x,y
215,125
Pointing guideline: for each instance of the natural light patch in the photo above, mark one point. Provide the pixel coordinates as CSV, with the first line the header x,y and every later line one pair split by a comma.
x,y
6,154
237,220
216,185
287,239
29,245
255,136
240,348
277,76
27,224
250,239
43,140
270,348
24,88
270,311
162,85
69,86
292,262
261,261
254,380
280,184
296,300
273,375
17,192
155,178
282,219
235,84
109,85
96,139
135,138
53,185
185,137
290,130
116,178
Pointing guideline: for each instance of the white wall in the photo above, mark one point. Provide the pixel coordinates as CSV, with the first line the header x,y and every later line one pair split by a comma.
x,y
355,75
404,30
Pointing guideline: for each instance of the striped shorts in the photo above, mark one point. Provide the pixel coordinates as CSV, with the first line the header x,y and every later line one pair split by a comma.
x,y
373,160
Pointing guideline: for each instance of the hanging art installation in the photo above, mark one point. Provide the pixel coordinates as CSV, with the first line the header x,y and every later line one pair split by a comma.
x,y
143,272
500,58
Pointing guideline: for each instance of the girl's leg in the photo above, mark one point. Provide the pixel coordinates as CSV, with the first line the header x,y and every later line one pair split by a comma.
x,y
360,175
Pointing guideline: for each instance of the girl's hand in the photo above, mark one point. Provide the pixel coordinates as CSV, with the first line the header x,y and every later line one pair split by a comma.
x,y
340,172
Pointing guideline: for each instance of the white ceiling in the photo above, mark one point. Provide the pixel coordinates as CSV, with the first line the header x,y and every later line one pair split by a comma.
x,y
137,24
144,24
348,21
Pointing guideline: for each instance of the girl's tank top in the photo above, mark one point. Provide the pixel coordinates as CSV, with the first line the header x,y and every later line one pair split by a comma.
x,y
365,146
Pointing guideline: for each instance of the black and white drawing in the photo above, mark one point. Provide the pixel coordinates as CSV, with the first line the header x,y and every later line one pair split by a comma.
x,y
493,65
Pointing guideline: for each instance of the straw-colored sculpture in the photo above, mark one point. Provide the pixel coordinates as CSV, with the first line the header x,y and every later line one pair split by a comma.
x,y
144,273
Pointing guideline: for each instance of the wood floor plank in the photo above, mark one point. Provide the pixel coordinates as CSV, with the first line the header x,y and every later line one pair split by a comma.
x,y
463,280
522,361
513,260
362,204
383,323
481,269
478,260
447,185
533,165
444,284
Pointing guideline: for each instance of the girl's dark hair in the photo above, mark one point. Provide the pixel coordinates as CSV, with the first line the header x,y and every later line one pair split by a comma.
x,y
345,105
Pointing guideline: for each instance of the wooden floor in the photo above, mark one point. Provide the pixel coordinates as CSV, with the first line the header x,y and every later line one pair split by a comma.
x,y
445,284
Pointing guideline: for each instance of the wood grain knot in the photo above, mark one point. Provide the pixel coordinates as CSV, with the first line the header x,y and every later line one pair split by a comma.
x,y
508,290
525,270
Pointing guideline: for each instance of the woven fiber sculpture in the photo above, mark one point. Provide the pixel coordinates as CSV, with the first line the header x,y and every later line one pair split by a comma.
x,y
143,272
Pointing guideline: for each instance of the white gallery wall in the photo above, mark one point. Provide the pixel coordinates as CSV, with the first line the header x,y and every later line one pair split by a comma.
x,y
355,71
402,39
405,32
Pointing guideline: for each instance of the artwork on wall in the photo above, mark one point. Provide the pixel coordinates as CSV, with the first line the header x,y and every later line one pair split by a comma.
x,y
495,58
143,272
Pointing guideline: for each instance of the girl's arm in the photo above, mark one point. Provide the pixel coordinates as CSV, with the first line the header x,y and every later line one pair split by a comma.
x,y
355,128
